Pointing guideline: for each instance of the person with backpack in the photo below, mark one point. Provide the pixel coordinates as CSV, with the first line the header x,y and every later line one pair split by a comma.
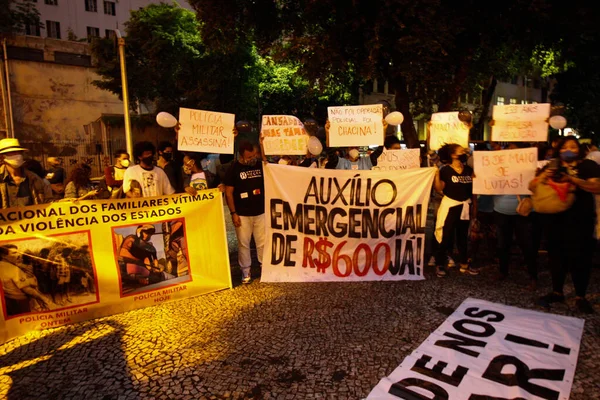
x,y
571,228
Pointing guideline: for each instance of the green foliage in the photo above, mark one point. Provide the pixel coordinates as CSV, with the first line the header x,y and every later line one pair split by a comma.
x,y
15,15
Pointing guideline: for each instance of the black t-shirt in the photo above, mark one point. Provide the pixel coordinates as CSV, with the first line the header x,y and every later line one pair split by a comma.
x,y
249,188
457,186
584,207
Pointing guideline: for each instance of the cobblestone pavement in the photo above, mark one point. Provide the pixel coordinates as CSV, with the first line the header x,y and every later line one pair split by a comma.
x,y
266,341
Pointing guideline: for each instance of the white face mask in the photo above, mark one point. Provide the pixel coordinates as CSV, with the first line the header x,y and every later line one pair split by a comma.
x,y
15,160
282,161
125,163
353,153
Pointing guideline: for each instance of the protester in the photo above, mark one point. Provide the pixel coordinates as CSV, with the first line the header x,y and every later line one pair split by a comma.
x,y
392,142
195,177
36,167
153,180
165,161
354,160
244,190
571,233
113,174
138,257
18,187
80,186
56,175
455,181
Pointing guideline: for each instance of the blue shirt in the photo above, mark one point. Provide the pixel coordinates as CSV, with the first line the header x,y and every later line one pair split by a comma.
x,y
363,163
506,204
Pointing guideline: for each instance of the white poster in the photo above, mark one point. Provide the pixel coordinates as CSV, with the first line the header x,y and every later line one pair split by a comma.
x,y
283,135
504,171
446,128
395,160
205,131
335,225
356,126
521,123
488,351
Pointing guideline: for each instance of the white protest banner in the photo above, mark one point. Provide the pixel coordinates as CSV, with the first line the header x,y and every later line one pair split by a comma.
x,y
205,131
521,123
355,125
395,160
335,225
504,171
283,135
487,351
446,128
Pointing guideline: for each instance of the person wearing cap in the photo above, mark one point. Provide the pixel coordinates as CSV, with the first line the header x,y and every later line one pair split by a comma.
x,y
56,177
137,254
18,186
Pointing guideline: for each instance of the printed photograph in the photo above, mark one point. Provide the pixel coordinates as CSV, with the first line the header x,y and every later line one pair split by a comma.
x,y
47,274
151,256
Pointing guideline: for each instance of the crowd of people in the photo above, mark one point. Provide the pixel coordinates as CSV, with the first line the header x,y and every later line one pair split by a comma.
x,y
465,224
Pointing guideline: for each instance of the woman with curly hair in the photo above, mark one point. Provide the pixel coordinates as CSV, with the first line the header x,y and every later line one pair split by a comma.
x,y
80,186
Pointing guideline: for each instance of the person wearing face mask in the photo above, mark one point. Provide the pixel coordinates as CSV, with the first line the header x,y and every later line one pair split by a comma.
x,y
113,174
197,178
455,181
571,240
354,160
56,176
153,180
166,162
245,195
18,186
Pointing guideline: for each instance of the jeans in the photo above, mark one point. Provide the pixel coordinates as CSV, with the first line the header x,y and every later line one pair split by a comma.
x,y
519,226
251,226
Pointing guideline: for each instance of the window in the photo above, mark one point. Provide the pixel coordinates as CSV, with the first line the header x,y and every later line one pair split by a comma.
x,y
109,33
380,85
51,2
523,101
91,5
53,29
514,80
513,101
500,101
24,53
32,29
92,33
72,59
109,8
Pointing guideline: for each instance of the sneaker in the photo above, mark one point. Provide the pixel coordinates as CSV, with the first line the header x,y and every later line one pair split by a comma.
x,y
440,271
431,262
550,298
246,279
467,269
584,306
451,263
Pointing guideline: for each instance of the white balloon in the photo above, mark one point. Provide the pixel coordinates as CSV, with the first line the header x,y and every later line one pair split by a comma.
x,y
558,122
166,120
314,146
394,118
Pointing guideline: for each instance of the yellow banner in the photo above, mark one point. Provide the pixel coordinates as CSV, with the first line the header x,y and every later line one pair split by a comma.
x,y
67,262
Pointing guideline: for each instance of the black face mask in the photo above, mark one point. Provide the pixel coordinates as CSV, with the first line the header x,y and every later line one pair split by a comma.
x,y
463,158
148,160
167,156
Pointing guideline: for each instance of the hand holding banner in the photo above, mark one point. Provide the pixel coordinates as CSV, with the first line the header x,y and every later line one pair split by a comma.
x,y
205,131
395,160
521,123
504,171
283,135
446,128
356,126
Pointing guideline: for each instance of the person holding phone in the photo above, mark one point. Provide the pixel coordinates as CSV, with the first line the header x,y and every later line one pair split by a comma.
x,y
80,186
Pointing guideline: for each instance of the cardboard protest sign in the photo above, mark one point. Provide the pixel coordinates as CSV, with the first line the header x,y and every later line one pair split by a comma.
x,y
69,262
394,160
504,171
490,351
205,131
340,225
521,123
446,128
283,135
355,125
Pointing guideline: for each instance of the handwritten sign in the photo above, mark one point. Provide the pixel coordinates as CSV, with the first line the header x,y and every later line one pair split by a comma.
x,y
395,160
356,125
284,135
205,131
504,171
446,128
521,123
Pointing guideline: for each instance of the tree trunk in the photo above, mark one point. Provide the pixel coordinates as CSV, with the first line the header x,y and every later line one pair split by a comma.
x,y
460,76
402,101
488,95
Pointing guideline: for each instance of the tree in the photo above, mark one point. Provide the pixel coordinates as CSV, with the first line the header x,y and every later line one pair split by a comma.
x,y
16,15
